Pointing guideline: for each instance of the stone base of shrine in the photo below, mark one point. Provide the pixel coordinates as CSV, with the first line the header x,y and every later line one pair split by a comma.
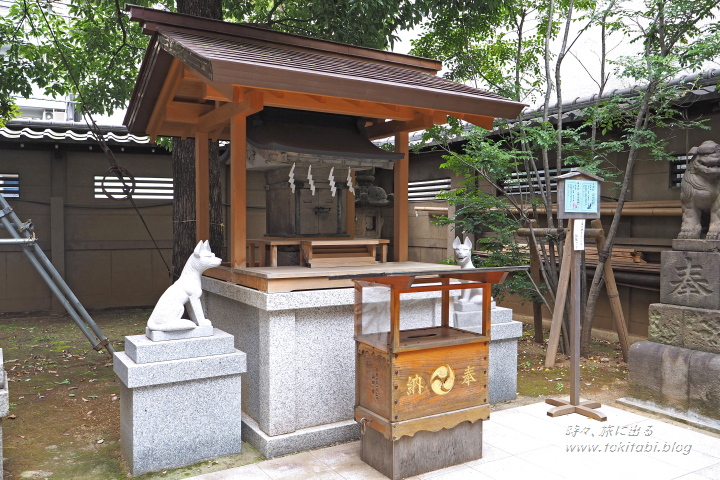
x,y
299,440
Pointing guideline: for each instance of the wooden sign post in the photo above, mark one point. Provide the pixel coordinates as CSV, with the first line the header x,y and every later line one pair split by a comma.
x,y
578,199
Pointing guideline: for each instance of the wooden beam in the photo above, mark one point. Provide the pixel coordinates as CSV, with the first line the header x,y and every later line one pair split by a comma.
x,y
387,129
238,191
202,187
190,89
612,292
477,120
186,112
328,104
167,93
218,132
339,106
252,102
317,103
439,118
560,297
400,189
209,93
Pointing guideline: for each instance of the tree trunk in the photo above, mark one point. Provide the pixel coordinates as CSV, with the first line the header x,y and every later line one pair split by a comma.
x,y
217,222
604,255
183,162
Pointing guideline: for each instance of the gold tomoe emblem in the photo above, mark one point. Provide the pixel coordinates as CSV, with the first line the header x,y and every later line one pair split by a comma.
x,y
442,380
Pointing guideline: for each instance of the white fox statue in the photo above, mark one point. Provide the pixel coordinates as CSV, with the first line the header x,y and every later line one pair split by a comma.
x,y
463,257
167,314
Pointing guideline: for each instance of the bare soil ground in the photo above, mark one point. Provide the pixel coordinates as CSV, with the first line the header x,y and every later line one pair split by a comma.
x,y
65,418
603,375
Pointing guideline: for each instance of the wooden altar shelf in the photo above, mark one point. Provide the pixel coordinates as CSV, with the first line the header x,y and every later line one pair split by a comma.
x,y
320,252
342,253
293,278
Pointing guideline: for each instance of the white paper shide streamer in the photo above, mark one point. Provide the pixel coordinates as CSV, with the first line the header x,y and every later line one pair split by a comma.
x,y
331,179
291,180
310,180
350,183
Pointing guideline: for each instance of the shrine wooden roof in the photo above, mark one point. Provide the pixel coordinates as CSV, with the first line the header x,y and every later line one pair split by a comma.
x,y
193,66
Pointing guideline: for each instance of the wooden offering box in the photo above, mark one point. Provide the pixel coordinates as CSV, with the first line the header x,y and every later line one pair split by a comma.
x,y
421,394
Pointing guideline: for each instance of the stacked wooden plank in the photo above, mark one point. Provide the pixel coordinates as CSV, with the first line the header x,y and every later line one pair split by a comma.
x,y
623,258
341,253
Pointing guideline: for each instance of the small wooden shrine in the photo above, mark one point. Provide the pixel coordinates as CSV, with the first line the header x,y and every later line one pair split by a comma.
x,y
299,115
269,94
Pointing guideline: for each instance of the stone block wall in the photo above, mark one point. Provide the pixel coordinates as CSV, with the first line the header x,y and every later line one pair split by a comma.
x,y
687,327
682,380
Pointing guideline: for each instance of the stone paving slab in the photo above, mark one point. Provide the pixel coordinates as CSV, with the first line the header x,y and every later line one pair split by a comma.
x,y
524,442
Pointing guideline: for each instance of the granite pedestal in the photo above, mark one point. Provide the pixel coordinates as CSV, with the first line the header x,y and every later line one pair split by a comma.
x,y
677,372
180,400
4,406
300,383
504,334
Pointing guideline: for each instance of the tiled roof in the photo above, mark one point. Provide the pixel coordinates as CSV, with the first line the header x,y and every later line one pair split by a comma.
x,y
218,55
66,131
277,65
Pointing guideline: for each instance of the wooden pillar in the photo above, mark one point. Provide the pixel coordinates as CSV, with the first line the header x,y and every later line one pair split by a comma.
x,y
58,191
400,189
238,191
202,187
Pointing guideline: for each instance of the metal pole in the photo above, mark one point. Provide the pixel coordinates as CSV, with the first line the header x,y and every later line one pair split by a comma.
x,y
56,291
17,241
73,299
54,275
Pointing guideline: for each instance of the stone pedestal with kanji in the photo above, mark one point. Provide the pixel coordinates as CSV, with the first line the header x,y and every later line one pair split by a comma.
x,y
677,371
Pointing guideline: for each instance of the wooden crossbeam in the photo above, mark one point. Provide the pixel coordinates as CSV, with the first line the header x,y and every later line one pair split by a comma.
x,y
186,112
386,129
211,121
193,85
167,93
209,93
339,106
477,120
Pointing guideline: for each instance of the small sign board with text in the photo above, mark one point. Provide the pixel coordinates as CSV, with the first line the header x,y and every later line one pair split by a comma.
x,y
578,195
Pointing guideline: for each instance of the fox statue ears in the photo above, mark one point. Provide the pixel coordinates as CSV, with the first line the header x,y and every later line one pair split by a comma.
x,y
202,246
467,243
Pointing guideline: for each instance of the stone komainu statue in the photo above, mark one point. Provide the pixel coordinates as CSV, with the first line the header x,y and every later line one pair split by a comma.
x,y
700,191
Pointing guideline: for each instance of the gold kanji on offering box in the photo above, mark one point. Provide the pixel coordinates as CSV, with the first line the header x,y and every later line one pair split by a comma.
x,y
421,393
